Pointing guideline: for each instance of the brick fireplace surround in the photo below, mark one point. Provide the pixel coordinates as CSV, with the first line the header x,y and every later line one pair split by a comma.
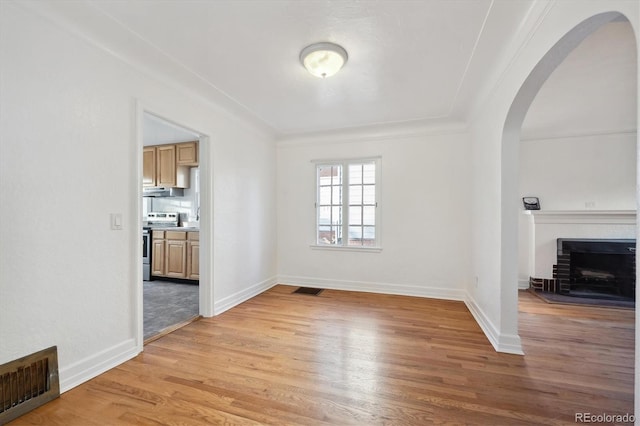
x,y
596,268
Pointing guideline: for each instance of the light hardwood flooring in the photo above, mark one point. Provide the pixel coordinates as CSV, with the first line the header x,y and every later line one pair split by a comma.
x,y
358,358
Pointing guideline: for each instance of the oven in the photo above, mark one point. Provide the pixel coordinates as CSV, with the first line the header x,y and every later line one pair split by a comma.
x,y
146,254
158,220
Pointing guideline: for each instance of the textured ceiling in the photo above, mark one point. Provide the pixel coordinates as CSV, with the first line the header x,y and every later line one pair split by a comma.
x,y
408,60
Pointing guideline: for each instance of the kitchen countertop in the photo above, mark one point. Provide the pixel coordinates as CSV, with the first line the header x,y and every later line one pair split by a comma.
x,y
176,228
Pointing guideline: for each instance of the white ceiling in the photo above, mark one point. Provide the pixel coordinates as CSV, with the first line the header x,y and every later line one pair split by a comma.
x,y
408,60
592,91
419,61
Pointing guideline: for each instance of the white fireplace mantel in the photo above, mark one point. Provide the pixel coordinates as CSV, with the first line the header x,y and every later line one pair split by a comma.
x,y
604,217
540,230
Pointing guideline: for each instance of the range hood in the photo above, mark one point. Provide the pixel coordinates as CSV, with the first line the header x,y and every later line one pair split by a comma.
x,y
162,192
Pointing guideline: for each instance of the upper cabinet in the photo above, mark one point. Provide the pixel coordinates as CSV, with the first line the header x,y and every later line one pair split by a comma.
x,y
149,166
187,154
168,165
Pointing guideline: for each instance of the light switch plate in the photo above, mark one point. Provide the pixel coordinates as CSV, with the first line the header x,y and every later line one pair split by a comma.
x,y
116,221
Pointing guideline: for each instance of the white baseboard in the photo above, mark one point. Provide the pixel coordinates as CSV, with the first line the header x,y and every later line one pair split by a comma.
x,y
237,298
441,291
523,284
507,343
94,365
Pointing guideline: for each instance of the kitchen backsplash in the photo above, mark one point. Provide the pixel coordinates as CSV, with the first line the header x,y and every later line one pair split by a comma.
x,y
187,205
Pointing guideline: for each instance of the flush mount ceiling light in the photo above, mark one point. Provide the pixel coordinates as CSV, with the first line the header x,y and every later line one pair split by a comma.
x,y
323,59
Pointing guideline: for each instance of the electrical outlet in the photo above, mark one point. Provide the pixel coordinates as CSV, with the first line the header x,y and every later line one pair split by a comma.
x,y
590,204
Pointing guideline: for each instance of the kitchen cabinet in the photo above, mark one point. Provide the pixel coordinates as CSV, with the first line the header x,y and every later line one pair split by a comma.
x,y
157,253
176,254
187,154
160,167
193,256
166,166
149,166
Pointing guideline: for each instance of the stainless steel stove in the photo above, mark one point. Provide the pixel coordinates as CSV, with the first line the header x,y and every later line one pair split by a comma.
x,y
154,220
162,219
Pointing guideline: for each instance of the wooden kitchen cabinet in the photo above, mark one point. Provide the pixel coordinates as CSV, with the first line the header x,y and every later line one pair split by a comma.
x,y
160,167
187,154
176,254
149,166
157,253
193,256
166,166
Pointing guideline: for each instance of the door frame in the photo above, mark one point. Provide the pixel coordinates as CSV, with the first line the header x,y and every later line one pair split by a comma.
x,y
205,287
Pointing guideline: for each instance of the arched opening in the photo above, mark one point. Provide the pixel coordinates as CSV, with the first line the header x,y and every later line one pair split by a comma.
x,y
510,150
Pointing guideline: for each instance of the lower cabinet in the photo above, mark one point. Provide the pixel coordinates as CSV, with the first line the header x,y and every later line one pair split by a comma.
x,y
193,256
176,254
157,253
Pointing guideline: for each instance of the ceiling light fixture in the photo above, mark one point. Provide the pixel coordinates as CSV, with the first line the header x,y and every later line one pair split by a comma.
x,y
323,59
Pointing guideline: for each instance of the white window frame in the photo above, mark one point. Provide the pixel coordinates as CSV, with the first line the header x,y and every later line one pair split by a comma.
x,y
345,163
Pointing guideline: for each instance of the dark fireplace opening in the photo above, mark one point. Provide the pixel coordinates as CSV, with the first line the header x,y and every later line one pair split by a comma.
x,y
601,275
596,268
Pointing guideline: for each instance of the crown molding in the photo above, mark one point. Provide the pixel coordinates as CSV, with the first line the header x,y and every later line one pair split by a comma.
x,y
378,132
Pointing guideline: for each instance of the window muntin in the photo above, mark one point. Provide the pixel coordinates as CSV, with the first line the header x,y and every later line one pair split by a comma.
x,y
347,202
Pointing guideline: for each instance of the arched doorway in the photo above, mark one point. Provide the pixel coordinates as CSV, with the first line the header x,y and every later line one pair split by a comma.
x,y
510,203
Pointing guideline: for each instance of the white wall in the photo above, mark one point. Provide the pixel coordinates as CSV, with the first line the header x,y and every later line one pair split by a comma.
x,y
587,172
596,172
424,215
68,142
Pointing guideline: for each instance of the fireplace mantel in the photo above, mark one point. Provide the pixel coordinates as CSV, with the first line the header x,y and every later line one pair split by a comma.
x,y
622,217
540,229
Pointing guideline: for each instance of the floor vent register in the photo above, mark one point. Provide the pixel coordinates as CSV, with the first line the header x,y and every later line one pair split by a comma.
x,y
28,383
308,290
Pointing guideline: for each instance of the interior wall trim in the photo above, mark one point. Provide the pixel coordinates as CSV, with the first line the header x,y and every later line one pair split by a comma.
x,y
237,298
96,364
438,290
506,343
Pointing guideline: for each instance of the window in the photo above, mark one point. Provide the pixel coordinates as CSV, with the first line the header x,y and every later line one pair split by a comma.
x,y
347,203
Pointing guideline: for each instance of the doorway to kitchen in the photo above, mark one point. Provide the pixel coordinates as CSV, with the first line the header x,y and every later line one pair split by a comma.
x,y
170,226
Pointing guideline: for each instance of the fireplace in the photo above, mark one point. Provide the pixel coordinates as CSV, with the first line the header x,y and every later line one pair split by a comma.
x,y
596,268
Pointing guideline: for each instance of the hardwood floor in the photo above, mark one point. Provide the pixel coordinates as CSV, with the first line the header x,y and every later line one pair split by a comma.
x,y
359,358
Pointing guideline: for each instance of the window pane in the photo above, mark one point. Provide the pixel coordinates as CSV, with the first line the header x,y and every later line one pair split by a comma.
x,y
369,236
369,173
336,196
355,195
355,235
324,215
355,215
355,174
324,175
324,235
337,175
369,215
369,232
336,217
369,194
325,195
337,235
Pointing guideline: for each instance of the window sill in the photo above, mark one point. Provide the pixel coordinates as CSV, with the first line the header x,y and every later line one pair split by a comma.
x,y
346,248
